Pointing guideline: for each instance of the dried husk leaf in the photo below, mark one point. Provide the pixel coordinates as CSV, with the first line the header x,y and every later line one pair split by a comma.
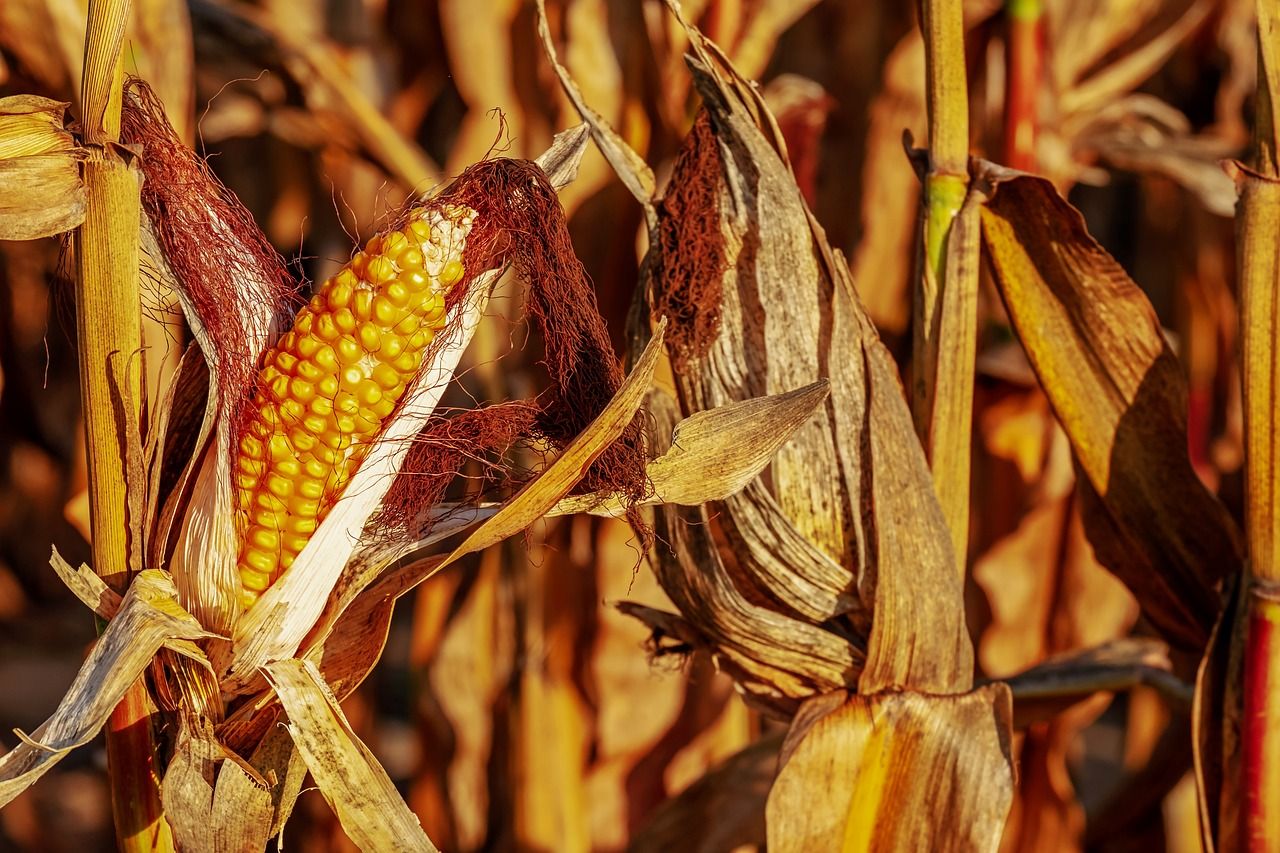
x,y
149,616
213,800
1119,393
39,170
104,601
277,760
714,453
243,809
822,488
187,789
896,771
370,809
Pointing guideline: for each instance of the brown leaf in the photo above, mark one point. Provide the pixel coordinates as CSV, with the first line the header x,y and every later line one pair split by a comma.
x,y
851,478
39,170
895,771
1119,393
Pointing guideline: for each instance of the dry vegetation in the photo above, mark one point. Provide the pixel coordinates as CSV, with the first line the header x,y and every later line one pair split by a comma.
x,y
879,456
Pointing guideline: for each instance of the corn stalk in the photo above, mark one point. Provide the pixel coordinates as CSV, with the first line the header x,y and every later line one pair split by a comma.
x,y
945,305
110,334
1259,224
1024,63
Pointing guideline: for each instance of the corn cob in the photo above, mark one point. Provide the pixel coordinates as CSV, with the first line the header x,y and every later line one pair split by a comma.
x,y
330,383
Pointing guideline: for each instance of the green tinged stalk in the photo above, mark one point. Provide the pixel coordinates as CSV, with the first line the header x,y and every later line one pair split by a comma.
x,y
945,304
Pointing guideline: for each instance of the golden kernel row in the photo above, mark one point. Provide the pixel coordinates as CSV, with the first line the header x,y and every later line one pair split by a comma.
x,y
330,383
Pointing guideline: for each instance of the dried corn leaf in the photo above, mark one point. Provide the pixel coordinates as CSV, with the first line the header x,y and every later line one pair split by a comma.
x,y
149,616
213,801
1155,36
348,775
277,760
1060,681
1216,726
896,771
104,601
186,791
853,483
1119,393
39,170
715,453
635,174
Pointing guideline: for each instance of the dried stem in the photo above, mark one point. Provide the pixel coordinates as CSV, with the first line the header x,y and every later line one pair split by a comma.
x,y
945,307
1258,225
110,335
1024,58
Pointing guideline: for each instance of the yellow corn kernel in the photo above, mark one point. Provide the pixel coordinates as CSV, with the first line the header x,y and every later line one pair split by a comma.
x,y
362,304
394,244
264,538
451,274
381,269
411,259
370,337
349,350
392,347
327,388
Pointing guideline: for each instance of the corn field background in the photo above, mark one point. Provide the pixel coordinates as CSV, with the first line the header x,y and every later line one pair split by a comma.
x,y
517,706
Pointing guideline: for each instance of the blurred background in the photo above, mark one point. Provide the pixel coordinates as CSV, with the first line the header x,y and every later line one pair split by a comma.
x,y
515,707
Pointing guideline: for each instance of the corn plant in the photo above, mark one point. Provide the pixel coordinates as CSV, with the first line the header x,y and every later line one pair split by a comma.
x,y
253,535
811,498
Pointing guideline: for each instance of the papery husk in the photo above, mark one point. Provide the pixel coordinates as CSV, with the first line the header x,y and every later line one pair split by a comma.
x,y
894,771
39,169
235,293
1116,387
147,618
348,775
825,501
212,800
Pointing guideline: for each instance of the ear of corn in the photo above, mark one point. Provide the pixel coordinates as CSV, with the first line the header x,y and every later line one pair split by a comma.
x,y
331,382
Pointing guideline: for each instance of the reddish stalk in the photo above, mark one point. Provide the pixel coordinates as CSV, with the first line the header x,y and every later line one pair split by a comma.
x,y
1260,750
1024,62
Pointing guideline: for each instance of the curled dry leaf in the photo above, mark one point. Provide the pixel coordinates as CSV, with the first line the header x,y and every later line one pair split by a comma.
x,y
942,760
372,812
212,799
39,170
148,617
715,453
1118,391
1047,688
761,304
